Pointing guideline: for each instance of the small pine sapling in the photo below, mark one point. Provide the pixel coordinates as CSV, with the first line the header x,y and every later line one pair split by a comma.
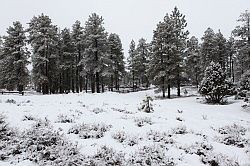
x,y
146,105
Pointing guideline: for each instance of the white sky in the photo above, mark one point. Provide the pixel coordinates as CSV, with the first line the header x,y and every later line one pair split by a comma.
x,y
131,19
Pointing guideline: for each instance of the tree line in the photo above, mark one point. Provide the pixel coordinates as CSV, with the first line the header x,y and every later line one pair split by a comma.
x,y
89,58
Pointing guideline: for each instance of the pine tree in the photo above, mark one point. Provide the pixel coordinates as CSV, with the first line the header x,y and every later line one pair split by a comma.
x,y
117,60
131,63
14,59
43,38
1,63
77,38
214,85
160,65
179,43
193,61
168,45
245,81
146,105
242,44
208,48
141,62
67,61
96,50
221,53
231,58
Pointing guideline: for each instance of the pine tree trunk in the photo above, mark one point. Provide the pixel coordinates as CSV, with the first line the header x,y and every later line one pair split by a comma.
x,y
97,82
163,87
133,77
93,83
72,80
77,80
102,84
112,83
86,84
116,82
178,86
81,83
169,91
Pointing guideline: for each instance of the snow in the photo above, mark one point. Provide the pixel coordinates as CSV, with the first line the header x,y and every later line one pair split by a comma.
x,y
201,121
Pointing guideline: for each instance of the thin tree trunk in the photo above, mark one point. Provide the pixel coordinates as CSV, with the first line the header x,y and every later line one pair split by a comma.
x,y
111,83
97,82
93,83
169,91
163,87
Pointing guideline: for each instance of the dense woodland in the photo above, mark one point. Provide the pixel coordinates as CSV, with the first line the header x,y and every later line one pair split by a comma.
x,y
86,57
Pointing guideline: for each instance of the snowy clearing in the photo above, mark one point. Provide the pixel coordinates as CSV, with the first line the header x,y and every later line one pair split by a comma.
x,y
180,131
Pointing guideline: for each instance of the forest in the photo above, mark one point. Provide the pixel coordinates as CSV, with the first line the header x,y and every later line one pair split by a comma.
x,y
86,57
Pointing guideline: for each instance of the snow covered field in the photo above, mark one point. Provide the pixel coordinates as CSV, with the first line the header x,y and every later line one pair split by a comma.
x,y
180,131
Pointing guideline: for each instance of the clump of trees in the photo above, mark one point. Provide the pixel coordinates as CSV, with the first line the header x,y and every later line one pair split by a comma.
x,y
87,57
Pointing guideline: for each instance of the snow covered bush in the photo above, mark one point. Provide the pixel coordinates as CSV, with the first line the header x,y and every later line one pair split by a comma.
x,y
198,148
8,139
44,146
161,137
125,138
232,135
146,105
65,119
11,101
150,155
120,136
122,110
28,117
214,85
97,110
86,131
132,140
106,156
214,159
245,81
180,130
142,121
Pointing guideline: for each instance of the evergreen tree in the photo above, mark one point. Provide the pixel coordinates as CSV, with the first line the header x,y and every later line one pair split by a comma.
x,y
141,62
160,64
231,58
220,54
43,38
214,85
1,63
168,45
96,50
179,43
117,60
77,39
14,59
208,48
242,43
146,105
193,61
67,62
245,81
131,62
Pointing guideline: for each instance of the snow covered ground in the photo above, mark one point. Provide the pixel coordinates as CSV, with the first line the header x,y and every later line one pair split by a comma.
x,y
185,131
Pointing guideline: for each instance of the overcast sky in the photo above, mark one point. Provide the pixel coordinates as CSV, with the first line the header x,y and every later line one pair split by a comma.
x,y
131,19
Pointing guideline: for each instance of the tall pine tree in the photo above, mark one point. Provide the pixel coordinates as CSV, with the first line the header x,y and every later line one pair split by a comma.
x,y
43,38
131,62
95,51
193,61
14,59
117,60
77,39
